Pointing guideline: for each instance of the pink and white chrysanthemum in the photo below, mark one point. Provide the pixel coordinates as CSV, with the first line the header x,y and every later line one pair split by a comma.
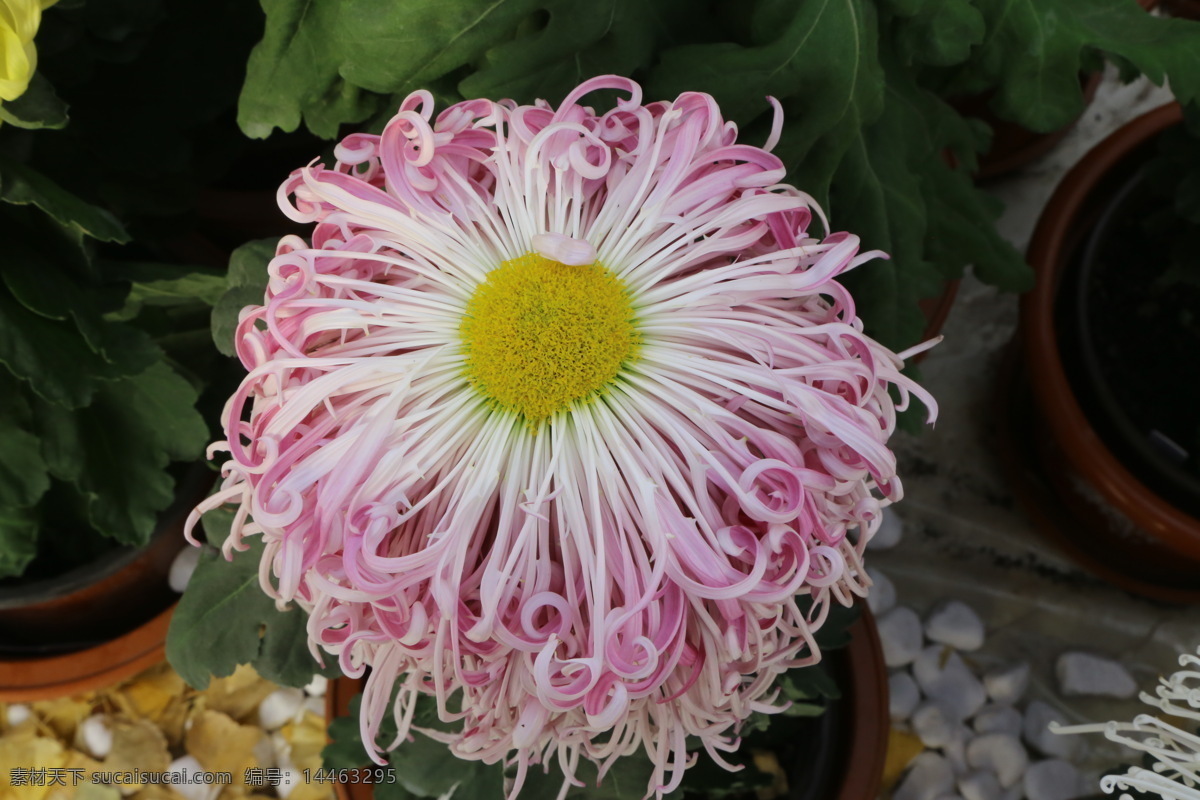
x,y
563,419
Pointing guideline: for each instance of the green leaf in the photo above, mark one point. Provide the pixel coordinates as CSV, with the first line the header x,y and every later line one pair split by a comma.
x,y
50,276
329,62
20,185
294,71
23,475
51,355
216,624
938,32
576,42
165,285
484,782
247,286
897,192
427,768
819,58
345,749
1033,53
284,657
423,767
168,284
708,779
116,450
18,539
38,107
224,619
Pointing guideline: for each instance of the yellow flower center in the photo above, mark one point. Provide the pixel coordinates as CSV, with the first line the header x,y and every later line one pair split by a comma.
x,y
539,335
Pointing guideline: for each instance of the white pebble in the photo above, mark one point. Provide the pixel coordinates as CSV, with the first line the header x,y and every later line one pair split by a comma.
x,y
1052,780
315,705
1002,754
94,736
317,686
995,718
949,797
264,752
891,529
283,751
188,766
280,707
289,779
1086,674
1037,733
882,596
182,568
900,634
903,695
943,676
16,714
956,624
1006,685
929,777
980,785
955,749
931,725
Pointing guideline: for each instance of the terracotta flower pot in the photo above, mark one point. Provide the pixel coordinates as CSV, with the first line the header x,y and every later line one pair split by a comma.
x,y
1114,523
98,624
849,763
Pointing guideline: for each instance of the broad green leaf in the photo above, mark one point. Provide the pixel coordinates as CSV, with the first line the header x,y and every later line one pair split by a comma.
x,y
345,749
23,475
116,450
1033,53
20,185
51,277
224,619
50,355
18,539
329,62
427,768
216,624
937,32
284,657
247,285
38,107
294,71
819,58
167,284
576,42
897,192
707,778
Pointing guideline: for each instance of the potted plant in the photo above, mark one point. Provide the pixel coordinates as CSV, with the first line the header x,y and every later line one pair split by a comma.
x,y
107,372
1114,298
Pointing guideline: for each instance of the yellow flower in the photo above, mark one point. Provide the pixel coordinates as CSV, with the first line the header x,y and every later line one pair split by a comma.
x,y
19,21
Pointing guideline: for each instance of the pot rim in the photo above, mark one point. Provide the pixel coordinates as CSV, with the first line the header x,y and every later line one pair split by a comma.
x,y
1053,395
105,664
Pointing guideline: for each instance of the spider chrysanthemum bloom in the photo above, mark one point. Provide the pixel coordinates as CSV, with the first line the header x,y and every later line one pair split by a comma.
x,y
563,419
1169,737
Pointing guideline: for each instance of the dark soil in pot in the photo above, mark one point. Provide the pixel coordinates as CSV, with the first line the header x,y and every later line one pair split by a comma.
x,y
1130,328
